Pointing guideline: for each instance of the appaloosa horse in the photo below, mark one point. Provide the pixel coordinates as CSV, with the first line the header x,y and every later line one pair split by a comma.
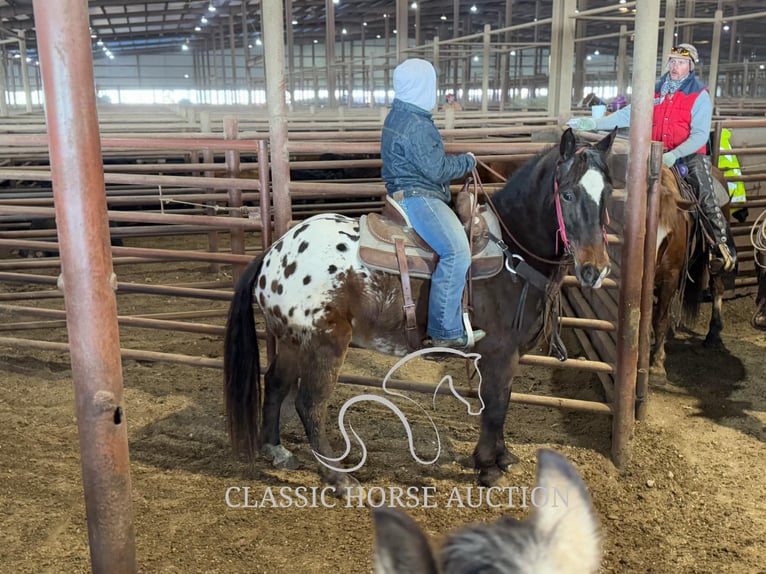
x,y
559,536
681,270
318,298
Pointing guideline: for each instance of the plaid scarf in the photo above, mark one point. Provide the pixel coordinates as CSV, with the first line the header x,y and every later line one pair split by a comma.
x,y
670,86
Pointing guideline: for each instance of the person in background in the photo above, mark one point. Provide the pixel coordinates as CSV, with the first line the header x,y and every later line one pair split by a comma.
x,y
729,164
417,173
451,103
681,121
618,103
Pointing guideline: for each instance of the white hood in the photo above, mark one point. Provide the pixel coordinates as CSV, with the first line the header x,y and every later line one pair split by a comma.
x,y
415,83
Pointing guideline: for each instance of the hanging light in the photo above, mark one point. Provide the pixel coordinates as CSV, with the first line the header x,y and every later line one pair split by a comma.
x,y
211,8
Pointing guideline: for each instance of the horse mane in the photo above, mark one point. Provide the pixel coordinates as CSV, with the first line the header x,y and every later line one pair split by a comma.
x,y
531,176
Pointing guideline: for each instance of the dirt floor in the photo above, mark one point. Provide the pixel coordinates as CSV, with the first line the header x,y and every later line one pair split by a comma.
x,y
691,501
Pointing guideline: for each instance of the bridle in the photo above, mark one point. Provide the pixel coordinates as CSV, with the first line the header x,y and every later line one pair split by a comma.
x,y
561,231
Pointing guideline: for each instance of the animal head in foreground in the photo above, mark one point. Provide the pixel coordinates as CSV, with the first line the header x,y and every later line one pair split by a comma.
x,y
561,537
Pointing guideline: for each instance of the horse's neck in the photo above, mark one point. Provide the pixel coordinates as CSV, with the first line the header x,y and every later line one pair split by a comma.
x,y
532,222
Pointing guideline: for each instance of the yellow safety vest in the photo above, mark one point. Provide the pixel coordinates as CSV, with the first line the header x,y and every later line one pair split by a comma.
x,y
729,164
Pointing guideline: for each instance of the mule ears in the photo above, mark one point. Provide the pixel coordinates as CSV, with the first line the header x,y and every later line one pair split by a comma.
x,y
400,545
606,144
566,519
568,145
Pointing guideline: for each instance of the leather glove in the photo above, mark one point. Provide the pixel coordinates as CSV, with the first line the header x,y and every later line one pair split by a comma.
x,y
668,158
585,124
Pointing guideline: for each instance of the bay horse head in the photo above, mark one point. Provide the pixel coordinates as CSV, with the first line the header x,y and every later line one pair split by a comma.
x,y
558,537
582,187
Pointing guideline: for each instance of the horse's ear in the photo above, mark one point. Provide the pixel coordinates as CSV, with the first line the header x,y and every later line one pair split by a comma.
x,y
606,144
568,145
400,545
566,520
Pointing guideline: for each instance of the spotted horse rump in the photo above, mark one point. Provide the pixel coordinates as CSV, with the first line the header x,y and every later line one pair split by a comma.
x,y
318,299
313,283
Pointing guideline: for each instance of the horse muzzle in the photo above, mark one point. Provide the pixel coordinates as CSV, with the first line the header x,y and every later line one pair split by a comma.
x,y
590,275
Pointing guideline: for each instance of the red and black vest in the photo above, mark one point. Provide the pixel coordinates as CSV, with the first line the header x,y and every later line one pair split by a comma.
x,y
671,122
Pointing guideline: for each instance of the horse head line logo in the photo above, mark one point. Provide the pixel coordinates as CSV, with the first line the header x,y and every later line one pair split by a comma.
x,y
332,462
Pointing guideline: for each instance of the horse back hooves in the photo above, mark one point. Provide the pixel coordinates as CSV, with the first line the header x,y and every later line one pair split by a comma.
x,y
507,459
713,342
658,376
490,476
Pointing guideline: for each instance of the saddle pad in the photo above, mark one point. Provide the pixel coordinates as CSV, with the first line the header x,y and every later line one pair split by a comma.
x,y
377,251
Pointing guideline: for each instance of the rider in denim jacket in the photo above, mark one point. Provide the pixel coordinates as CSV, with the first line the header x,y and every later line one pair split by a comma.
x,y
417,173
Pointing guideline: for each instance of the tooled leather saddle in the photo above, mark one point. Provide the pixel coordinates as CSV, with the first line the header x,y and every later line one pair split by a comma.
x,y
388,243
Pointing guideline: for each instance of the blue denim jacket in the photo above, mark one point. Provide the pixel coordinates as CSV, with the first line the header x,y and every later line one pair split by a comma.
x,y
412,151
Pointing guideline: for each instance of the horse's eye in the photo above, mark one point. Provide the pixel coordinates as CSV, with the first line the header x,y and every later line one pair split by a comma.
x,y
568,196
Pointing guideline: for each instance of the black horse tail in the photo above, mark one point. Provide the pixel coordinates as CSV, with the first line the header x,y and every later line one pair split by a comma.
x,y
241,367
694,286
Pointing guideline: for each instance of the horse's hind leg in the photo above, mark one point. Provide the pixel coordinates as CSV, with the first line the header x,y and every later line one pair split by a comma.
x,y
665,291
716,321
321,360
281,377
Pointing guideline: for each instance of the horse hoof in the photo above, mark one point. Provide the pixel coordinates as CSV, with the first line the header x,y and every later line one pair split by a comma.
x,y
506,459
713,341
279,456
759,321
348,488
658,375
490,476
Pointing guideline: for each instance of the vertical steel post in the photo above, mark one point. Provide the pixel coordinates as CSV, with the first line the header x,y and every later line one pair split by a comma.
x,y
274,46
237,245
647,295
629,315
87,279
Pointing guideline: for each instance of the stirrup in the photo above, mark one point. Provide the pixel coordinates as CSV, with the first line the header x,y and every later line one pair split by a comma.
x,y
461,343
729,259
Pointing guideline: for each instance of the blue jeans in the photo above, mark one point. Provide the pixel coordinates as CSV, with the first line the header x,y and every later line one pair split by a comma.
x,y
438,225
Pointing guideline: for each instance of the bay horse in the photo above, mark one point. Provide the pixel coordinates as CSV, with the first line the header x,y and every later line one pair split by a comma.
x,y
681,270
318,298
561,537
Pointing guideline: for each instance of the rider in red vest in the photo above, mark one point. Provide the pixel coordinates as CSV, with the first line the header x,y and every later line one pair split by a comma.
x,y
681,121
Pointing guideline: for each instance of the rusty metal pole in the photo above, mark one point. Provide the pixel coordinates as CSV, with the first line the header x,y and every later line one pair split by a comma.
x,y
644,70
647,295
87,280
274,57
237,236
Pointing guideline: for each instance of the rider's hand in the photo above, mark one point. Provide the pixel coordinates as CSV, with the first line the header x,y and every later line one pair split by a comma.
x,y
668,158
473,157
585,124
